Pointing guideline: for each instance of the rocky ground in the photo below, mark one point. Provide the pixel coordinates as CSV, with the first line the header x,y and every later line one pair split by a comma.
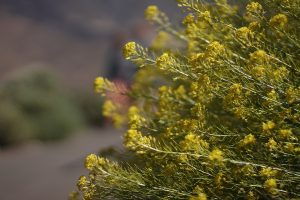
x,y
49,172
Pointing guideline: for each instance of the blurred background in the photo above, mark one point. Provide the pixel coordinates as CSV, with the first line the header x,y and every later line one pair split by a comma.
x,y
51,51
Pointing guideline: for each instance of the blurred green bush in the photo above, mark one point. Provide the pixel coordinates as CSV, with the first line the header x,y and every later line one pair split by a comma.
x,y
36,106
91,107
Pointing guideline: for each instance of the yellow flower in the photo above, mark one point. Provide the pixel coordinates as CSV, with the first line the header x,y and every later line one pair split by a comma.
x,y
118,120
193,142
134,139
183,158
112,110
247,170
244,33
135,119
272,144
164,61
216,155
251,196
279,20
285,133
267,126
289,147
219,178
161,41
129,50
236,88
272,96
297,150
132,111
259,56
180,92
292,94
188,19
271,185
151,13
93,161
163,89
101,85
259,71
248,139
131,138
205,16
280,73
82,183
268,172
109,108
254,26
215,49
200,194
254,7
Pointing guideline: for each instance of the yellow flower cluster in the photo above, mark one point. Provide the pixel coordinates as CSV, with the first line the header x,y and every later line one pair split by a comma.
x,y
271,97
82,183
271,185
108,108
236,88
215,49
254,7
244,33
279,20
254,26
189,19
129,50
161,41
259,56
93,161
267,126
272,144
215,107
193,142
219,179
259,72
86,187
248,139
205,16
280,74
247,170
200,194
216,155
292,94
268,172
165,61
135,120
180,92
151,13
285,133
134,140
111,110
101,85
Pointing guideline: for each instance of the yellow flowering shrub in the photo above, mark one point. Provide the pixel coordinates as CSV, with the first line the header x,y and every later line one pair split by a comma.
x,y
217,116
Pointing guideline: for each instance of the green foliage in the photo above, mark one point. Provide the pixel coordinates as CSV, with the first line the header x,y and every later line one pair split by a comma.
x,y
33,106
91,108
222,119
